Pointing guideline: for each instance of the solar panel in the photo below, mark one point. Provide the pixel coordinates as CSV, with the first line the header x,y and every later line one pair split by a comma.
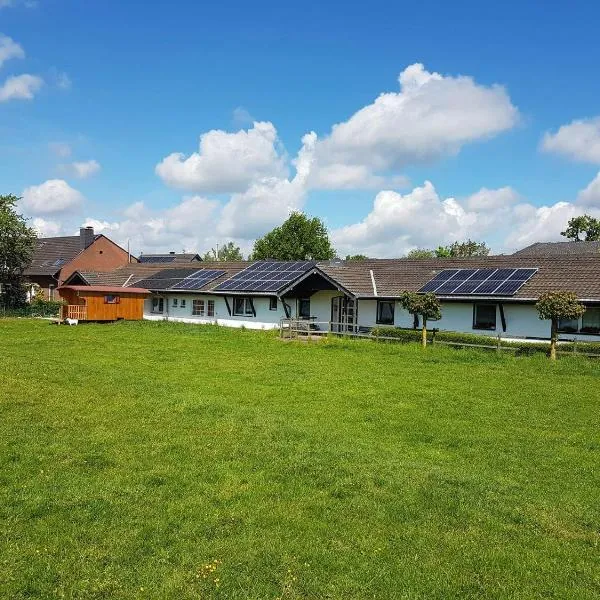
x,y
198,279
266,276
472,282
156,259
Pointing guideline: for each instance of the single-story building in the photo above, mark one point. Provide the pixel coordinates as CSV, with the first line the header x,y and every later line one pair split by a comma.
x,y
102,303
487,295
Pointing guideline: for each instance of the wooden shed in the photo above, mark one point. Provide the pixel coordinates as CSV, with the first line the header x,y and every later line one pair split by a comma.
x,y
102,303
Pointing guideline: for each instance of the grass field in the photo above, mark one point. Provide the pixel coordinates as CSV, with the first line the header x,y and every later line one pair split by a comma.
x,y
156,460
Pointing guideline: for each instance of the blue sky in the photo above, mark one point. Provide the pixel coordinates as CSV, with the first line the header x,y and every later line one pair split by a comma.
x,y
114,88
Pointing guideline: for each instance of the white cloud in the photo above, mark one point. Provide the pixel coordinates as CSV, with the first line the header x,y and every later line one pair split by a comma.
x,y
432,116
226,162
579,140
46,228
82,170
9,49
590,195
25,3
51,197
490,200
241,117
60,149
20,87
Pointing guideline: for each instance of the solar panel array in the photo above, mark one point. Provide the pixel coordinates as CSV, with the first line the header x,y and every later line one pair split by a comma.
x,y
488,282
266,276
198,279
156,259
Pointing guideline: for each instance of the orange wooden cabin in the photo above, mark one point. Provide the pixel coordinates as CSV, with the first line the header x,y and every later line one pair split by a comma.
x,y
102,303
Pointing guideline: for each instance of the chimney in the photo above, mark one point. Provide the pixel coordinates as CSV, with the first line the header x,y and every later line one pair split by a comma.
x,y
86,236
171,252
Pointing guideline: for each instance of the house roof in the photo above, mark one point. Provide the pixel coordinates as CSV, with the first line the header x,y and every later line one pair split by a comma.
x,y
561,249
109,289
169,258
52,253
394,276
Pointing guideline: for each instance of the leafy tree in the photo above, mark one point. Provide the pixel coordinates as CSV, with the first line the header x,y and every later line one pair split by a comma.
x,y
226,252
299,238
17,244
463,250
356,257
425,305
555,306
584,224
420,253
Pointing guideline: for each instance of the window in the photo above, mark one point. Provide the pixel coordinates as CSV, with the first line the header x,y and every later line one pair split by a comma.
x,y
210,312
273,303
385,312
304,308
111,299
198,308
158,305
484,316
182,303
590,322
174,302
242,306
568,325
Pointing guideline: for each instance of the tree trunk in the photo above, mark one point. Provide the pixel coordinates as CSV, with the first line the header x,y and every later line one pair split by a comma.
x,y
424,333
553,337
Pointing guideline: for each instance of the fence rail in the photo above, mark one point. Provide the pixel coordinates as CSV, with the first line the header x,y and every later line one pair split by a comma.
x,y
75,311
310,328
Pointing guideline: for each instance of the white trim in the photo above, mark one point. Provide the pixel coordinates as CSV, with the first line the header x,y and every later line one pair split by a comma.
x,y
373,282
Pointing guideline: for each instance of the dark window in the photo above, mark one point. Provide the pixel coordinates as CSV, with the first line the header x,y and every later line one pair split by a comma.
x,y
198,308
242,306
304,308
568,325
210,308
110,299
590,322
273,303
385,312
174,302
182,303
484,316
158,305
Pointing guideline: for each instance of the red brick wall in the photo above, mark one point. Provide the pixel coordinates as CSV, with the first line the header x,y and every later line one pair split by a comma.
x,y
101,256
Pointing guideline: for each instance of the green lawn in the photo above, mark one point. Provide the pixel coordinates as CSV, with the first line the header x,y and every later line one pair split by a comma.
x,y
134,456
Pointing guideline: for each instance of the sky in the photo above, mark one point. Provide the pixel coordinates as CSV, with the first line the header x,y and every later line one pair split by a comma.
x,y
182,125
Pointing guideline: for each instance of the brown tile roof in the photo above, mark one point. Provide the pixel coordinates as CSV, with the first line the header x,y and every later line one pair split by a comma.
x,y
393,276
52,253
565,249
169,258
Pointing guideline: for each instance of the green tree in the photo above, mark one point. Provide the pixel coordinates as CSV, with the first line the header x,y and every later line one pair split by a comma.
x,y
226,252
425,305
356,257
584,224
463,250
555,306
299,238
17,244
420,253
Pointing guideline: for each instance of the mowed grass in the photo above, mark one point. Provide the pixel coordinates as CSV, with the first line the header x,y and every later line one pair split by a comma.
x,y
135,456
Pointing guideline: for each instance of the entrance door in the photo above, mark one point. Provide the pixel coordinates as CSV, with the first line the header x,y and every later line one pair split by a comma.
x,y
343,314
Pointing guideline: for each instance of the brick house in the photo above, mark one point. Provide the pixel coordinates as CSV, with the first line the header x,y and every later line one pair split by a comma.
x,y
56,258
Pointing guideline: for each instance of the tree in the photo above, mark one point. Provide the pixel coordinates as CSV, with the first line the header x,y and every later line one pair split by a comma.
x,y
426,305
463,250
555,306
299,238
577,226
226,252
420,253
17,243
356,257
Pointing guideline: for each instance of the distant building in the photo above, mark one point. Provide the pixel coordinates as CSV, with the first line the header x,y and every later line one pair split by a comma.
x,y
562,249
169,258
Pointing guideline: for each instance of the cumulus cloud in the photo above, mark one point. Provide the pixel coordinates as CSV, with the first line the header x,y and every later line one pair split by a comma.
x,y
491,200
579,140
9,49
20,87
590,195
432,116
45,228
54,196
226,162
83,169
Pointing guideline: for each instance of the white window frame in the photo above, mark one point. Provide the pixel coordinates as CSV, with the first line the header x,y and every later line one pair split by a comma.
x,y
198,307
156,305
210,308
246,307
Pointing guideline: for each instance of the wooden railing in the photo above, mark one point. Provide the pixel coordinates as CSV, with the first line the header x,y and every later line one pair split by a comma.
x,y
75,311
